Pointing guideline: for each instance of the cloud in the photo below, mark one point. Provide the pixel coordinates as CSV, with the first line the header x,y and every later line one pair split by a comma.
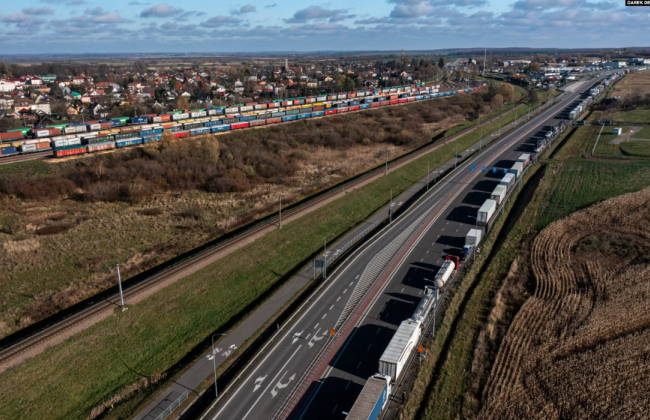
x,y
108,18
137,3
38,11
94,11
247,8
65,2
160,11
22,20
318,13
270,6
219,21
410,9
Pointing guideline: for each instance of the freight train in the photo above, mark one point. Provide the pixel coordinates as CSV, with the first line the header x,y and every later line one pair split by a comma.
x,y
92,136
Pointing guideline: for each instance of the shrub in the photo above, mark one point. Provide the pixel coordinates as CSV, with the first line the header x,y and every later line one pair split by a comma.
x,y
53,229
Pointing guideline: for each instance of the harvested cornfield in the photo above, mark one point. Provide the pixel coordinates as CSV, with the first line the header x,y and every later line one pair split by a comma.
x,y
579,348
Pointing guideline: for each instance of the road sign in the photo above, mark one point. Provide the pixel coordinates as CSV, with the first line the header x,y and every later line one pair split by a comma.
x,y
319,263
505,171
484,169
473,168
494,170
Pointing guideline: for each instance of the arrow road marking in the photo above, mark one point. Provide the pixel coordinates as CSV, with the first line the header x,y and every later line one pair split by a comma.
x,y
258,382
296,337
280,385
267,387
316,338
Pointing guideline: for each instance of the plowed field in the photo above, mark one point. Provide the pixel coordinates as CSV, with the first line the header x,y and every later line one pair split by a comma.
x,y
580,347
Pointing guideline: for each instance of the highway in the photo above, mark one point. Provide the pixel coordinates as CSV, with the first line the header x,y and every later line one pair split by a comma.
x,y
436,226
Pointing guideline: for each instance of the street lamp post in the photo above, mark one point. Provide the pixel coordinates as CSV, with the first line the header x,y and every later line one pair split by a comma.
x,y
214,365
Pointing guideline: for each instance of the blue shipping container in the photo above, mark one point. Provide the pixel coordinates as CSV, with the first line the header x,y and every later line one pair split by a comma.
x,y
364,106
317,113
139,120
197,131
7,151
289,118
213,123
301,116
128,142
278,114
220,128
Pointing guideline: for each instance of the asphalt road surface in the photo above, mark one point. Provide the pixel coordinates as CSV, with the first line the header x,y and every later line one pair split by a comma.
x,y
450,207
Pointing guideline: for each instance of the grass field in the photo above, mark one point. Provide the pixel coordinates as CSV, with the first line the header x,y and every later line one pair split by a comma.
x,y
639,115
584,138
124,352
569,183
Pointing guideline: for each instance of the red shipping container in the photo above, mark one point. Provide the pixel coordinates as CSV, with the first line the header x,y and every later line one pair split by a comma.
x,y
296,102
385,103
43,145
354,108
257,123
105,126
411,99
352,95
165,117
14,135
375,104
330,111
54,131
394,102
250,103
339,110
238,125
403,100
273,120
70,152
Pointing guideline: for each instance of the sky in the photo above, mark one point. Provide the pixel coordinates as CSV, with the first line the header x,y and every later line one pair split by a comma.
x,y
215,26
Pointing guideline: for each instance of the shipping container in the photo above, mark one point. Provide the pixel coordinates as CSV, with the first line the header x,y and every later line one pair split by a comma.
x,y
140,120
486,212
618,131
274,120
8,150
303,116
27,148
69,151
289,118
396,355
372,399
317,113
238,125
101,146
499,194
217,128
16,135
128,142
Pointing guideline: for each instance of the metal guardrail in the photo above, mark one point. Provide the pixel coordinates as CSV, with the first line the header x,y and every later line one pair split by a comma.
x,y
173,406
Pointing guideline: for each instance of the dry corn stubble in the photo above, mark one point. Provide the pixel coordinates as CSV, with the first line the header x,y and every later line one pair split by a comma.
x,y
580,347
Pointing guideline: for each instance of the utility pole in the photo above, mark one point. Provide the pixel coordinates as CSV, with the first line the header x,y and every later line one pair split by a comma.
x,y
428,171
119,286
484,62
214,365
480,142
390,207
280,213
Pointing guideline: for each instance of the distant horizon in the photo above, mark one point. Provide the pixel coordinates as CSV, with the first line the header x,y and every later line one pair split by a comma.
x,y
260,26
441,51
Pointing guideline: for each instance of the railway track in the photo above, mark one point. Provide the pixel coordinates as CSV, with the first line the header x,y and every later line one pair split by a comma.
x,y
25,158
10,355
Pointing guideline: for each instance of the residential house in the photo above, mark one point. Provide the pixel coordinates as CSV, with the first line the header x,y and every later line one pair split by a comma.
x,y
7,85
98,110
23,104
6,101
41,107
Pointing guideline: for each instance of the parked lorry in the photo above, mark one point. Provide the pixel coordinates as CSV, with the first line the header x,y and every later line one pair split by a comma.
x,y
517,169
524,158
472,239
486,212
508,180
373,398
396,355
499,194
444,274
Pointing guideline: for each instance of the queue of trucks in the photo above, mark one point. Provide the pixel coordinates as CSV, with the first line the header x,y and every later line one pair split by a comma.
x,y
375,393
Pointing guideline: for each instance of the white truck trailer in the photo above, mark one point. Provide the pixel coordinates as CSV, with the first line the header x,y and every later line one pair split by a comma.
x,y
472,240
394,359
486,212
499,194
517,169
373,398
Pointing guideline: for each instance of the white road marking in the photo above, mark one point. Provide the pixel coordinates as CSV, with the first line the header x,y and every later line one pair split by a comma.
x,y
370,345
351,283
258,382
345,291
331,307
378,329
420,292
402,290
280,385
296,337
387,315
358,365
427,251
337,299
356,277
272,380
324,316
335,408
443,229
422,260
308,335
315,328
346,387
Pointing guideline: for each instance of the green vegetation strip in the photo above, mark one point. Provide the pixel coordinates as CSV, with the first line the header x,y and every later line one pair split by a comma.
x,y
127,351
